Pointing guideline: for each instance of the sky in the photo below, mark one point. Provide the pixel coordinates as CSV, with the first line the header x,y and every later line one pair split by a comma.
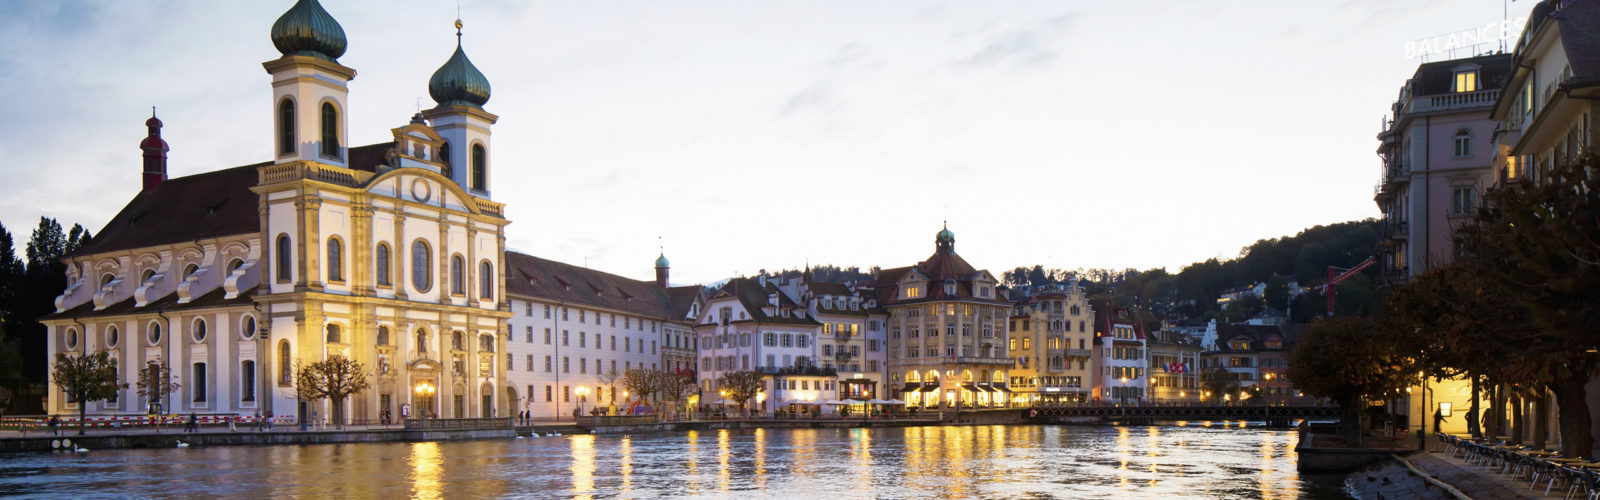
x,y
744,135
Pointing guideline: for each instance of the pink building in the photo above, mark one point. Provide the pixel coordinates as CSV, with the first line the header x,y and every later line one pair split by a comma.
x,y
1437,159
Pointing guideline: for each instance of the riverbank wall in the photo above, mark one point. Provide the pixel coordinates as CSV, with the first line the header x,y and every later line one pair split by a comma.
x,y
91,442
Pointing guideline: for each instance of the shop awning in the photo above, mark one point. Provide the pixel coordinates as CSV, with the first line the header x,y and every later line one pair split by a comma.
x,y
1001,388
911,388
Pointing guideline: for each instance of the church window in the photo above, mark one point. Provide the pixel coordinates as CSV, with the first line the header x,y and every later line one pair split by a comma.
x,y
153,333
421,279
381,262
333,333
199,332
480,167
383,335
335,260
457,275
456,341
330,130
284,257
198,386
444,159
285,366
247,381
286,127
486,283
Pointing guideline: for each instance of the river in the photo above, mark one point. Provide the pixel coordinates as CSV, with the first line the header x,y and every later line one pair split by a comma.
x,y
1213,460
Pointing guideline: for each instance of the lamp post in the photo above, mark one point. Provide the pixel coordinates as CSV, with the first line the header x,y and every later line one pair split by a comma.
x,y
583,396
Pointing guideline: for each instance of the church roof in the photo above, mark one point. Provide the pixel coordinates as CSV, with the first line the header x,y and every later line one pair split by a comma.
x,y
548,280
205,205
307,29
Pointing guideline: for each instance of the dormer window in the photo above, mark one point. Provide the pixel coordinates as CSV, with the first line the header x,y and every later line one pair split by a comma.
x,y
1466,80
913,292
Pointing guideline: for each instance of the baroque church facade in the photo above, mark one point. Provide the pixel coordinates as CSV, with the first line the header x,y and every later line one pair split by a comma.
x,y
392,254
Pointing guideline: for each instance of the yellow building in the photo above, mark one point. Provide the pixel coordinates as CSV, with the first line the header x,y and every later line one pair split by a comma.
x,y
1051,336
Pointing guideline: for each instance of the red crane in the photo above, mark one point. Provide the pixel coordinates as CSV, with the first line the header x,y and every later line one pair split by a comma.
x,y
1339,274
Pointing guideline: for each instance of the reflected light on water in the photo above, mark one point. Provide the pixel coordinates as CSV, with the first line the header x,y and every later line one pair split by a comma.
x,y
425,464
582,465
625,448
723,474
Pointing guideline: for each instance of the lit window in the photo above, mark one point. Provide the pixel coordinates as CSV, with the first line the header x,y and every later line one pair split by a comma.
x,y
1467,81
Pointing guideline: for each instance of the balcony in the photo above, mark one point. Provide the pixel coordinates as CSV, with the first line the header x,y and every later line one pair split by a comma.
x,y
807,371
982,360
1397,230
1454,101
1077,353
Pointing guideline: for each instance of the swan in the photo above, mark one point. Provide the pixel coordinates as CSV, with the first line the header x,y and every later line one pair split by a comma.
x,y
81,450
182,444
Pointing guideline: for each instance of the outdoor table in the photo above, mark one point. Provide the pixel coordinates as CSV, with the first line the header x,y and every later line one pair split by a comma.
x,y
1541,453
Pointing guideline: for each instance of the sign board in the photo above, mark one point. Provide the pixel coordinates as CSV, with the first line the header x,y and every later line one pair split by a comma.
x,y
1499,32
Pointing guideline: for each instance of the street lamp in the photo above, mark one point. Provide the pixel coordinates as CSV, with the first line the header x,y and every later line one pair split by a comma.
x,y
583,395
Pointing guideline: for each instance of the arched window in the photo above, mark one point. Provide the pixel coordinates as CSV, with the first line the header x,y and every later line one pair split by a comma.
x,y
199,332
422,341
285,258
381,262
383,335
330,130
333,333
285,364
486,344
486,281
456,341
247,328
444,159
1463,143
480,167
153,333
335,260
421,279
457,275
286,127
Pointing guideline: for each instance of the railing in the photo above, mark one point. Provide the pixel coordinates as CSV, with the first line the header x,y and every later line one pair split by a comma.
x,y
490,207
809,370
1397,230
458,423
983,360
1454,101
1187,411
314,171
604,420
1078,353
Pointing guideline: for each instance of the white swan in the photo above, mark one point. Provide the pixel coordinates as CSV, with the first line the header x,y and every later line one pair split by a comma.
x,y
81,450
182,444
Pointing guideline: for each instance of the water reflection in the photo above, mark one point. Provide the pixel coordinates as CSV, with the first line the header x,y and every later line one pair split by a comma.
x,y
1195,461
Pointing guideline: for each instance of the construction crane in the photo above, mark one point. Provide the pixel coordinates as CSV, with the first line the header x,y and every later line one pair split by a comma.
x,y
1339,274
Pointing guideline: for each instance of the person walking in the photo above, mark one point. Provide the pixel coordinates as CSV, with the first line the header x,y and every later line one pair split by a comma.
x,y
261,425
193,425
55,425
231,428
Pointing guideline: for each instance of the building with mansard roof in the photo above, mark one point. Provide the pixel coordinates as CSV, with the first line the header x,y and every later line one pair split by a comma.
x,y
390,254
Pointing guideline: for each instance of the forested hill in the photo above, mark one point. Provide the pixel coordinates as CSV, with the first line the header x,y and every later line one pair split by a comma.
x,y
1193,291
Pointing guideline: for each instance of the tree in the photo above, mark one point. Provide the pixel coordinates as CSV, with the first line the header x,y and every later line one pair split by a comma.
x,y
741,386
609,378
642,382
334,379
1277,293
1350,360
1219,382
87,378
676,387
155,382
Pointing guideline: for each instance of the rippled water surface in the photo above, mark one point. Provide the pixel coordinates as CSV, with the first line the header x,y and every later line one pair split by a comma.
x,y
944,462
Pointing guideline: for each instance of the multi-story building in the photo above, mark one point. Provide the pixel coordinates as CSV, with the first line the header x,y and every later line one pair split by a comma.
x,y
389,254
1120,358
1256,355
1437,159
947,331
852,340
1050,345
1546,116
575,331
751,325
678,340
1174,367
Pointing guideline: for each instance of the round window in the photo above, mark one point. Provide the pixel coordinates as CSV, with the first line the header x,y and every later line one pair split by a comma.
x,y
72,339
247,330
153,333
199,330
112,336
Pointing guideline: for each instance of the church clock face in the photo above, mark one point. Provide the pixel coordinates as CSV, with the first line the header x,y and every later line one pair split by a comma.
x,y
420,190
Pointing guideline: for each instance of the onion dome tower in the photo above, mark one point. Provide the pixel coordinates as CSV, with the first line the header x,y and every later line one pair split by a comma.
x,y
945,241
310,89
461,91
662,266
155,153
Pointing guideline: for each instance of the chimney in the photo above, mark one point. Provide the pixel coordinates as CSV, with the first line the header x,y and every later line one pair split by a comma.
x,y
155,153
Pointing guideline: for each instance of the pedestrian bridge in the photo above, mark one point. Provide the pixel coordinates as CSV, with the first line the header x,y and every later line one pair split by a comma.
x,y
1182,412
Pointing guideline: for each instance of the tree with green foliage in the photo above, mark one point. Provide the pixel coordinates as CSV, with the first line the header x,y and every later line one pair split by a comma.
x,y
1351,360
87,378
1219,382
1277,293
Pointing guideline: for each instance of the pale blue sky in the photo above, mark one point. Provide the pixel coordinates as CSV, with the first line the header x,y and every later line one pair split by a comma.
x,y
755,135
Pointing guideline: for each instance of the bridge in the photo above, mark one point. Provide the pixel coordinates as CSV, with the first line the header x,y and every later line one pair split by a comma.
x,y
1183,412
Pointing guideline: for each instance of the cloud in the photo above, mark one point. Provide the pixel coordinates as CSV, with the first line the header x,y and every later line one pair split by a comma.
x,y
849,62
1028,46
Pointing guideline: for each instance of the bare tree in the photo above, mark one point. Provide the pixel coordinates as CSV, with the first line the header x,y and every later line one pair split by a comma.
x,y
609,378
642,382
335,379
155,383
677,386
87,378
741,386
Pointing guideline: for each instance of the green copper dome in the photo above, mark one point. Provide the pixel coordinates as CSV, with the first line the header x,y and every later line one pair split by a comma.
x,y
944,236
308,30
662,261
458,82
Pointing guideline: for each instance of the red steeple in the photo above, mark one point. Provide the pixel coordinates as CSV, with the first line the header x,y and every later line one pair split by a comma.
x,y
155,153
